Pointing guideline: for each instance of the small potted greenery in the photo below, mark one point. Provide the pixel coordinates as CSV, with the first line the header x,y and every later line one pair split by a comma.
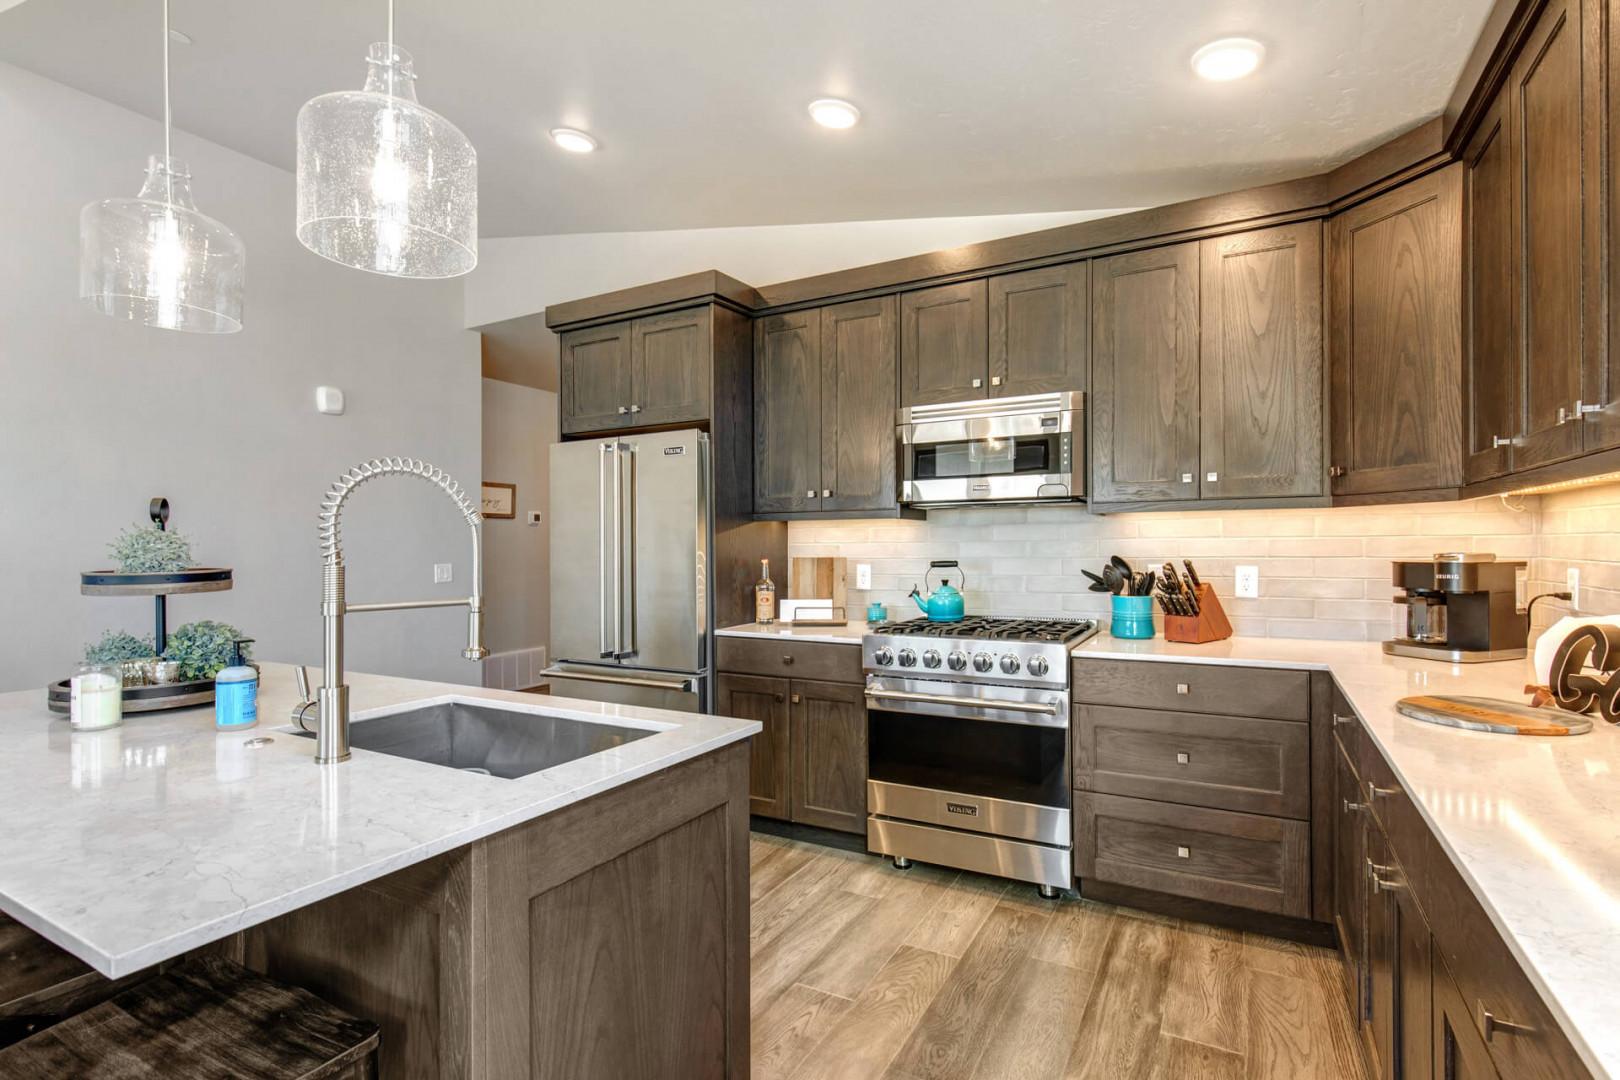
x,y
201,648
147,549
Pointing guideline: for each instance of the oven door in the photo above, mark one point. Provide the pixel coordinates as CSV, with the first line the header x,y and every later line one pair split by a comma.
x,y
964,454
970,776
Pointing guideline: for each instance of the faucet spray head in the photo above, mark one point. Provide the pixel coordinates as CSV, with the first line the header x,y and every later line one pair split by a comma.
x,y
475,630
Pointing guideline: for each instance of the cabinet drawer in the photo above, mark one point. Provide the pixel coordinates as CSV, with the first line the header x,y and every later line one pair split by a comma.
x,y
1346,728
1392,808
1201,688
1225,762
786,657
1243,860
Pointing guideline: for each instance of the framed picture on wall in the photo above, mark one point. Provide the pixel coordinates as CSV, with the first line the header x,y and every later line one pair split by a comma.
x,y
499,500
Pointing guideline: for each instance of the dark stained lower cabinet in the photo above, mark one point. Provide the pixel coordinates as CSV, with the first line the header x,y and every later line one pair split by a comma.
x,y
943,344
1394,290
1260,363
1144,407
750,697
604,940
1459,1052
829,755
1040,330
1414,968
1349,881
1378,1021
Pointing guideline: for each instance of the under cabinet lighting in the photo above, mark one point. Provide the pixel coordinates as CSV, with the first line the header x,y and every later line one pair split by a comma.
x,y
1228,59
573,140
833,113
1566,485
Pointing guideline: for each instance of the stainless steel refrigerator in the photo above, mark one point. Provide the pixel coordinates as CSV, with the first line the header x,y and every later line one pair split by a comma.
x,y
631,532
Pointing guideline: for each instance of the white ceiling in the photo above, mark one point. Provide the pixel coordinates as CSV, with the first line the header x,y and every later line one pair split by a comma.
x,y
968,107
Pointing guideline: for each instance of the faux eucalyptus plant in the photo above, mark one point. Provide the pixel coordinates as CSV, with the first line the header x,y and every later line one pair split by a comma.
x,y
116,646
147,549
201,648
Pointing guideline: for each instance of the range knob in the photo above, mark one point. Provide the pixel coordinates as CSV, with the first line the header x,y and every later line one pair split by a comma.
x,y
983,661
1009,663
1038,666
931,658
957,660
883,657
908,658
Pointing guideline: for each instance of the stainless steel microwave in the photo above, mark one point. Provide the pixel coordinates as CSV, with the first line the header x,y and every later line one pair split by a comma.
x,y
1008,450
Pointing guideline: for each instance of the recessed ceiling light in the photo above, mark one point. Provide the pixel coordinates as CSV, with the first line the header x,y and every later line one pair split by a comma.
x,y
179,37
573,140
832,113
1228,58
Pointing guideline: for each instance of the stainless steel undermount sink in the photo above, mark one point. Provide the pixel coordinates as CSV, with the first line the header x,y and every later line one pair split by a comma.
x,y
486,738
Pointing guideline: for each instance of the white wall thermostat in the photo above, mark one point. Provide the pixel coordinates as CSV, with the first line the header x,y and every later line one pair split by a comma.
x,y
329,400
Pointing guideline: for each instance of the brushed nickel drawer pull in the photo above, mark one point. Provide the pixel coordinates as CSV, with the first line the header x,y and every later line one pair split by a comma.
x,y
635,408
1489,1025
1335,470
1376,792
1337,719
795,699
1183,852
787,659
995,380
1212,477
623,409
1186,478
1383,884
1353,807
826,493
977,383
1183,688
1182,757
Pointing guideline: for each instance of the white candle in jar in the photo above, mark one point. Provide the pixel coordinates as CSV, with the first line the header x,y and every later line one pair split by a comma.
x,y
96,699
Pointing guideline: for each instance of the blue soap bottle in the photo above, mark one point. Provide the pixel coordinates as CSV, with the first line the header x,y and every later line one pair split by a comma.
x,y
236,692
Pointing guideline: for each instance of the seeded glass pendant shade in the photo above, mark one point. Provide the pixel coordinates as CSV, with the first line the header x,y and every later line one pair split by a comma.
x,y
385,184
155,259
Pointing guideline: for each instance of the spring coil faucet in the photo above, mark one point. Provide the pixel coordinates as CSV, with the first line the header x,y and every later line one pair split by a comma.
x,y
332,724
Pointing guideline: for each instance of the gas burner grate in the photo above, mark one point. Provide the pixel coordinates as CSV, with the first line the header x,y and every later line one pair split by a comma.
x,y
992,628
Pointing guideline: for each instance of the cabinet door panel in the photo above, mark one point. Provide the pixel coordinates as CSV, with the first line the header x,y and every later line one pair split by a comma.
x,y
1349,882
1494,370
787,412
749,697
943,344
1394,291
1040,330
1414,1013
1459,1052
1145,407
1378,1028
1260,349
595,378
1547,117
858,391
670,357
829,755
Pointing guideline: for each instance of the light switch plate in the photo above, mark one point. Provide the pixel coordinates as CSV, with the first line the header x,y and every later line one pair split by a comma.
x,y
1248,581
442,573
863,575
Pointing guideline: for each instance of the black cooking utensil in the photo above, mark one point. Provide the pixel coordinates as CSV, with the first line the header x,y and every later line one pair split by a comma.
x,y
1122,566
1097,583
1113,580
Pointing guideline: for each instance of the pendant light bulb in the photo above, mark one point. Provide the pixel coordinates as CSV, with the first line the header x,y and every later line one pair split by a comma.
x,y
385,184
157,260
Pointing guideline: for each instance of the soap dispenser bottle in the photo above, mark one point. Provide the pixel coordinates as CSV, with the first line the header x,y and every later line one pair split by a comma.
x,y
236,692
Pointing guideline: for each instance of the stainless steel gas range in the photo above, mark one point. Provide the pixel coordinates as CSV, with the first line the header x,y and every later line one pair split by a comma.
x,y
968,745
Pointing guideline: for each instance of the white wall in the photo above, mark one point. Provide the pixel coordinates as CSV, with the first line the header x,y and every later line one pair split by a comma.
x,y
521,275
97,415
520,423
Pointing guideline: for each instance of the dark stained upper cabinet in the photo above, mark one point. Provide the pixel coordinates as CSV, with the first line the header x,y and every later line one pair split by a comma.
x,y
858,388
1260,358
1040,330
1394,341
1493,372
1144,382
787,412
943,344
670,367
595,378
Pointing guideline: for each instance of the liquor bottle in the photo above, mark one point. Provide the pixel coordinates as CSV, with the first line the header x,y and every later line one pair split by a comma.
x,y
765,594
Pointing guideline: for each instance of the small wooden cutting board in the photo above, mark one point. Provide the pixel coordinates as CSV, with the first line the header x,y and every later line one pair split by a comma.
x,y
1492,714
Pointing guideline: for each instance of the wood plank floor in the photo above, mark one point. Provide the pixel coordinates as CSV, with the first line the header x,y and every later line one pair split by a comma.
x,y
863,971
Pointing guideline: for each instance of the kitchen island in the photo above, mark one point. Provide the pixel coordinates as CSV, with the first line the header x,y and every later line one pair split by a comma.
x,y
584,920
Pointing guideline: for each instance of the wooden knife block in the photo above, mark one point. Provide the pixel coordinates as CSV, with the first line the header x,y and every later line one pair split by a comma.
x,y
1210,624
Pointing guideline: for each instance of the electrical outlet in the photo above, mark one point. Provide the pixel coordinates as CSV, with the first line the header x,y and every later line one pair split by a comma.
x,y
1521,590
534,517
1248,581
441,573
1572,579
863,575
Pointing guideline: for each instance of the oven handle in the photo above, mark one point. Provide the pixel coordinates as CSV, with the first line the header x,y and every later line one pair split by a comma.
x,y
1043,708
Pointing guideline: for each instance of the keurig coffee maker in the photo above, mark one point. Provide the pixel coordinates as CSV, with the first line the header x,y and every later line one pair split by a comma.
x,y
1459,608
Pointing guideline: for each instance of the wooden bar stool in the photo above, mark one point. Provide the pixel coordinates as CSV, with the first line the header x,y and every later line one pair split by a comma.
x,y
205,1019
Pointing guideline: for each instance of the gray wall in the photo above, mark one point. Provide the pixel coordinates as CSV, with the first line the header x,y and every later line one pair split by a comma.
x,y
97,415
520,424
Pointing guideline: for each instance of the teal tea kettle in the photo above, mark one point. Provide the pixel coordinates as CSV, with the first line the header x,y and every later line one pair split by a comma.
x,y
944,604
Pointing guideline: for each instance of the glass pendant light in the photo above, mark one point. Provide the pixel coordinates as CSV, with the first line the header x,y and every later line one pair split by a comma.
x,y
155,258
385,184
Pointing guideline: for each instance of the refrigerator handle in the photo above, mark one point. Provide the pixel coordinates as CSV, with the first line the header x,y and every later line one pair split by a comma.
x,y
608,535
625,635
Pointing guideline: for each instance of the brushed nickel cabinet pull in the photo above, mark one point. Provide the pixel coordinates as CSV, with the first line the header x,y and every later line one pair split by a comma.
x,y
1335,470
1490,1024
796,699
1353,807
810,494
787,659
977,383
1183,688
1382,884
623,409
1376,792
1182,757
1584,409
1337,719
826,493
1183,852
1211,477
1186,478
1499,441
995,380
635,408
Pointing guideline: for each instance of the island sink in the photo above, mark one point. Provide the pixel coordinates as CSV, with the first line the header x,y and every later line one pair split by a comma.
x,y
486,738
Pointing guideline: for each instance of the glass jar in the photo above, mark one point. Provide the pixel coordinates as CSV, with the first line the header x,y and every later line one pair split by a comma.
x,y
96,697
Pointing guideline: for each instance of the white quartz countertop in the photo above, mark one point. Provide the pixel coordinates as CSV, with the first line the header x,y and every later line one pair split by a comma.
x,y
130,846
1533,824
844,634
